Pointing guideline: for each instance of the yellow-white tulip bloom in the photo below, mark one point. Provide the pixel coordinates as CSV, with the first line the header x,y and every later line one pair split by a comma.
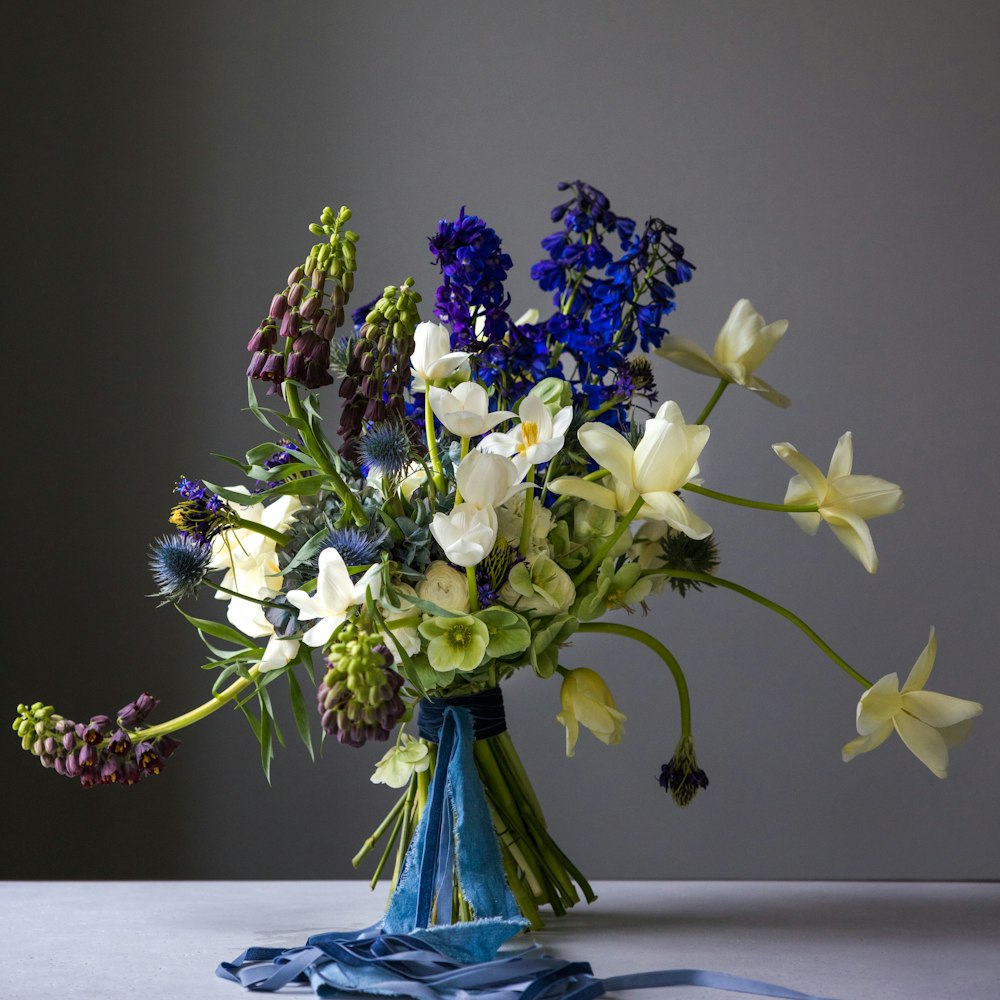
x,y
845,501
744,342
927,722
663,461
587,701
536,439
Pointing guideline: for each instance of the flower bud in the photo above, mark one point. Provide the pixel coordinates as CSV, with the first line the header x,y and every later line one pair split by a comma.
x,y
296,276
279,306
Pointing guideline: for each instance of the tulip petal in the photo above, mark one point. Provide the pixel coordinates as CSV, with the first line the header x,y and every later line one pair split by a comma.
x,y
334,590
764,341
924,742
762,388
843,457
868,496
688,354
609,449
862,744
920,672
670,508
816,480
572,486
854,535
878,704
940,710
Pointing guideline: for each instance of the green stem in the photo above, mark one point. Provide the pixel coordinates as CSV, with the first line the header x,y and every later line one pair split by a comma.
x,y
710,405
432,446
378,832
350,502
609,544
470,579
613,628
529,506
788,508
202,711
262,529
717,581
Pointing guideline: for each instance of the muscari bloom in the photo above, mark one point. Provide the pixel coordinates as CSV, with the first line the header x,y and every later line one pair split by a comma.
x,y
336,595
663,461
587,701
846,501
743,344
927,722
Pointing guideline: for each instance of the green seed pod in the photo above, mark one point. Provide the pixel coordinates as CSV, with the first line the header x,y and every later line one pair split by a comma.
x,y
348,282
326,215
315,229
344,214
26,742
351,236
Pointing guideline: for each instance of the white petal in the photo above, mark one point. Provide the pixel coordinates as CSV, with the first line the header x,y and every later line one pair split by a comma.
x,y
855,536
816,480
878,704
670,508
572,486
867,496
768,392
940,710
920,672
688,354
279,653
609,449
334,590
924,742
319,635
862,744
843,457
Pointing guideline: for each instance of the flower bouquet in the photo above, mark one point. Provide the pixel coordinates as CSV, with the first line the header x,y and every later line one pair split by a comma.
x,y
495,488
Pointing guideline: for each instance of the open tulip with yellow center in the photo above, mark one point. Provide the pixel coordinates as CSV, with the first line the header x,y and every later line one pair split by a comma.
x,y
587,701
846,501
663,461
536,439
927,722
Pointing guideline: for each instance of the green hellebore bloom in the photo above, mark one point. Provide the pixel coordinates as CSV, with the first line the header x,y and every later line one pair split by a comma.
x,y
455,643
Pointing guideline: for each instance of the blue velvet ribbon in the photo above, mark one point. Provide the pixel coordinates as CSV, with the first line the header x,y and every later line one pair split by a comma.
x,y
407,956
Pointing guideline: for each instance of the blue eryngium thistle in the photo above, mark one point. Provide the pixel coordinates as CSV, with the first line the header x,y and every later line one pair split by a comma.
x,y
179,564
356,547
386,447
681,777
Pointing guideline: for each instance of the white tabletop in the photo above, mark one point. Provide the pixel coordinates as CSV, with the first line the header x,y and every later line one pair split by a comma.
x,y
852,940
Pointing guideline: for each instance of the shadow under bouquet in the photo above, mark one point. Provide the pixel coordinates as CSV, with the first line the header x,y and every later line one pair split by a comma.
x,y
496,486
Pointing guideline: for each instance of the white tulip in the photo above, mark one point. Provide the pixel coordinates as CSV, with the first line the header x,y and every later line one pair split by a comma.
x,y
465,410
845,501
336,595
927,722
744,342
432,356
488,480
663,461
536,439
467,534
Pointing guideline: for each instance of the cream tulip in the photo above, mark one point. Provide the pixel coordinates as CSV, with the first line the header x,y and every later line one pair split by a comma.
x,y
465,410
432,356
663,461
927,722
846,502
536,439
587,701
743,344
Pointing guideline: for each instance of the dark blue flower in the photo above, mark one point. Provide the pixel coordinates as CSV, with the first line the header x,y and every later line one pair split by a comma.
x,y
179,564
356,546
387,448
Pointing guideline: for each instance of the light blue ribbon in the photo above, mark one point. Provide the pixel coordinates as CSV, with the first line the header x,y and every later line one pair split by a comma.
x,y
406,956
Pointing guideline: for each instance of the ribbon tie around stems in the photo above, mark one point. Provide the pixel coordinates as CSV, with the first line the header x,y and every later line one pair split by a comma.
x,y
407,957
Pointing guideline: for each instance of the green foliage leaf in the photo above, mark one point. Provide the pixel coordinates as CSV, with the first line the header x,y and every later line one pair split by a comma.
x,y
220,631
258,411
242,466
300,712
310,547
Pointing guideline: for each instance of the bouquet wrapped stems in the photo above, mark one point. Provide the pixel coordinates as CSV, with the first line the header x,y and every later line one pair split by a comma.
x,y
537,869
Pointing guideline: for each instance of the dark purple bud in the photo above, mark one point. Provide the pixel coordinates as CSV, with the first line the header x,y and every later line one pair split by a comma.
x,y
348,387
89,779
311,307
69,741
296,367
80,729
360,348
290,325
147,758
60,766
337,296
316,376
375,411
145,704
49,745
338,316
47,760
130,772
274,369
324,328
120,743
318,279
279,306
166,746
295,276
263,340
110,771
369,387
295,294
255,369
87,757
319,353
100,726
72,765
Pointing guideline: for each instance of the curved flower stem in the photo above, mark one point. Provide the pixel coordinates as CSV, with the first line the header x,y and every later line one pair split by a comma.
x,y
432,446
202,711
609,544
470,579
351,506
262,529
613,628
788,508
242,597
716,581
710,405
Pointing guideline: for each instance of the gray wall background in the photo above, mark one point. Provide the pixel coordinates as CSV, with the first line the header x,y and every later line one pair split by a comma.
x,y
836,163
